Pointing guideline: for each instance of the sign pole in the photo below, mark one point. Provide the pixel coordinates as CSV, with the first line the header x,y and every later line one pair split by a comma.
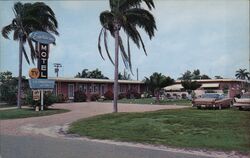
x,y
42,100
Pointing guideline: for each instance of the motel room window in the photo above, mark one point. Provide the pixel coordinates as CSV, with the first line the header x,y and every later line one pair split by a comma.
x,y
95,88
81,88
122,88
90,89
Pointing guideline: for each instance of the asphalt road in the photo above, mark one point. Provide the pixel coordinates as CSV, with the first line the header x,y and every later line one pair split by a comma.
x,y
48,147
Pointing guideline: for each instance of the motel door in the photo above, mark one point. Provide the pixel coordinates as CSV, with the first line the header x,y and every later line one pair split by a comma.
x,y
71,91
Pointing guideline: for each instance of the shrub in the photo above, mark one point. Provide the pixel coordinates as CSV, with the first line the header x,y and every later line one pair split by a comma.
x,y
80,96
137,95
94,97
133,95
29,100
183,96
49,99
122,95
109,95
60,98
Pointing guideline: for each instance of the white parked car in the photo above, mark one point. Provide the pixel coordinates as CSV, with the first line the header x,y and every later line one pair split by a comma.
x,y
243,102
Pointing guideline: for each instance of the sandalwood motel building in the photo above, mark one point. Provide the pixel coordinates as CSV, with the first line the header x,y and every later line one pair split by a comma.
x,y
230,87
67,86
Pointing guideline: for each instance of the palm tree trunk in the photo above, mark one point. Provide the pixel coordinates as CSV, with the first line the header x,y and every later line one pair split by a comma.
x,y
20,72
115,108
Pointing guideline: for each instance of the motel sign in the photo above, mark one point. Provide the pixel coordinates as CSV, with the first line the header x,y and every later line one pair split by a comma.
x,y
42,63
40,82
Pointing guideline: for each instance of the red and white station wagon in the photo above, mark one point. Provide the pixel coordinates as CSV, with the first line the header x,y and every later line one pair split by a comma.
x,y
212,100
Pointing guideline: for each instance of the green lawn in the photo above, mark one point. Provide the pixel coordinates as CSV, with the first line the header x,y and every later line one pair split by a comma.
x,y
6,106
152,101
188,128
23,113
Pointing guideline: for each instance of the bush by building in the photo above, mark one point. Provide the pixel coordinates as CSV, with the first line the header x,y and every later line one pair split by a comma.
x,y
133,95
95,97
109,95
80,96
49,99
61,98
122,95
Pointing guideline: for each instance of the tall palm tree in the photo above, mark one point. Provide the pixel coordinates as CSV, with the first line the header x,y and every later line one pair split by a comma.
x,y
242,74
29,17
128,15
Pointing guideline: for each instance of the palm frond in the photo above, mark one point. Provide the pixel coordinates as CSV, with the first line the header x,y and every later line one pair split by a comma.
x,y
33,53
99,43
142,18
6,30
25,55
129,56
106,19
127,4
123,52
106,46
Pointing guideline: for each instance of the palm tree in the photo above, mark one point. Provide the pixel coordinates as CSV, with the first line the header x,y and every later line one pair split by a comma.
x,y
128,15
28,18
156,82
242,74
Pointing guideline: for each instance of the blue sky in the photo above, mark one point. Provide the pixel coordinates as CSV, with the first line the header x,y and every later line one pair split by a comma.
x,y
210,35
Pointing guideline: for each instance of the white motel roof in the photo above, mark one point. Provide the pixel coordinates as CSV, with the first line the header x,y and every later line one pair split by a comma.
x,y
210,85
174,87
217,80
92,80
178,87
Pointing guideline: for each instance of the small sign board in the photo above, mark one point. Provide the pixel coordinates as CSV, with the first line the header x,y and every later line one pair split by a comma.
x,y
42,37
36,95
41,84
34,73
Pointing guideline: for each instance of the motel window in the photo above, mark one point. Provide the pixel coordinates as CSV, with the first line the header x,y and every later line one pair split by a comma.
x,y
95,87
81,88
122,88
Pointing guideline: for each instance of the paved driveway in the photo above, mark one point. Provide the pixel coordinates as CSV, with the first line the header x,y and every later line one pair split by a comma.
x,y
26,126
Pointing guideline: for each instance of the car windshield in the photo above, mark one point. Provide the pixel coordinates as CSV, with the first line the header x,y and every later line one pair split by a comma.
x,y
211,95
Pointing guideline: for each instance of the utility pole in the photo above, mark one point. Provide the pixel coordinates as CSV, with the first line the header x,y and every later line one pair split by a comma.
x,y
57,66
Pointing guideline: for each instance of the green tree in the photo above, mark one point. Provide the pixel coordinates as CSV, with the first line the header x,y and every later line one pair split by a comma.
x,y
218,77
196,75
156,82
242,74
124,76
97,74
29,17
186,76
8,87
128,15
203,77
190,85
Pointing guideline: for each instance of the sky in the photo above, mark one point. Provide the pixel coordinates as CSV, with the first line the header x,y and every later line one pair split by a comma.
x,y
209,35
